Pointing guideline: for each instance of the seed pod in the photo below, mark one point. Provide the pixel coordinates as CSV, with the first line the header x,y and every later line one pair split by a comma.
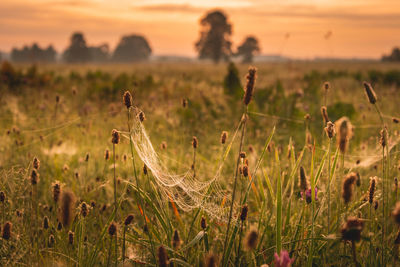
x,y
244,212
115,137
112,229
224,136
176,242
203,223
162,257
351,229
251,80
128,219
7,230
372,184
36,163
324,113
330,129
45,223
345,132
56,190
245,171
34,178
71,237
303,180
127,99
195,142
370,93
251,239
347,189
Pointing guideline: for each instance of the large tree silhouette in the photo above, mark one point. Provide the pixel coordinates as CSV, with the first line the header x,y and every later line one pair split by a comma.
x,y
99,53
248,48
78,51
132,48
214,40
394,56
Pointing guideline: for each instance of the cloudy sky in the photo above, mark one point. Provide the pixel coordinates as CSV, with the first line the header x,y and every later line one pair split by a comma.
x,y
317,28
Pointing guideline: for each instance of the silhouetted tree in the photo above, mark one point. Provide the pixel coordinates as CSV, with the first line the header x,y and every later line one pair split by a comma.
x,y
394,56
33,54
99,53
77,51
132,48
248,48
214,40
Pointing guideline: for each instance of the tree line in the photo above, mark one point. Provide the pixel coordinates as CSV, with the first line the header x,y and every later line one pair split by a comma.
x,y
130,48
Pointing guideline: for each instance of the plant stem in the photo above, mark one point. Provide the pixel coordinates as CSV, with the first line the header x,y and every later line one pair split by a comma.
x,y
244,118
353,248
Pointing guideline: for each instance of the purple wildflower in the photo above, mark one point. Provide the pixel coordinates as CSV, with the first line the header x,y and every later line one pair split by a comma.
x,y
283,260
308,195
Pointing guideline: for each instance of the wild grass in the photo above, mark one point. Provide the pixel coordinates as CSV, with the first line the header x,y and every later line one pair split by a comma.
x,y
117,211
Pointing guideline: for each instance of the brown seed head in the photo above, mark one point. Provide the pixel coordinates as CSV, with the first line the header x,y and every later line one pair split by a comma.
x,y
115,137
303,183
242,155
2,196
127,98
330,129
57,98
395,120
251,239
45,223
59,226
224,136
34,178
324,113
384,137
51,241
176,242
7,231
112,229
244,212
67,207
84,209
245,170
249,90
162,257
211,260
145,169
352,228
141,116
56,190
71,237
203,223
107,154
87,157
345,132
370,93
36,163
195,143
128,219
327,86
348,184
372,185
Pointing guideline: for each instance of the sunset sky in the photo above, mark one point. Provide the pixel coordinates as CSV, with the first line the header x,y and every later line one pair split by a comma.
x,y
360,28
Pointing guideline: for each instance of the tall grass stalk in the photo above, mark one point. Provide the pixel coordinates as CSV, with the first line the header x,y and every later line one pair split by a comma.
x,y
244,120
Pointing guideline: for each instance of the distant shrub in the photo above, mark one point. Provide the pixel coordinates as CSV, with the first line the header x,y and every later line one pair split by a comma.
x,y
232,85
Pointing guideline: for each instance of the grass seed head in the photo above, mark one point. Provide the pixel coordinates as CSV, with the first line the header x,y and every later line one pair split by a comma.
x,y
107,154
303,183
351,229
176,242
324,113
115,137
2,197
127,99
67,207
71,237
330,129
128,219
345,132
224,136
56,190
46,222
112,229
347,188
244,212
251,239
195,142
36,163
249,90
211,260
396,213
162,256
203,223
370,93
34,178
372,185
7,230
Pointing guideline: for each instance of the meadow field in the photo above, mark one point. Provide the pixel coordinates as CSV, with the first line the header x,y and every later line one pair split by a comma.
x,y
198,164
